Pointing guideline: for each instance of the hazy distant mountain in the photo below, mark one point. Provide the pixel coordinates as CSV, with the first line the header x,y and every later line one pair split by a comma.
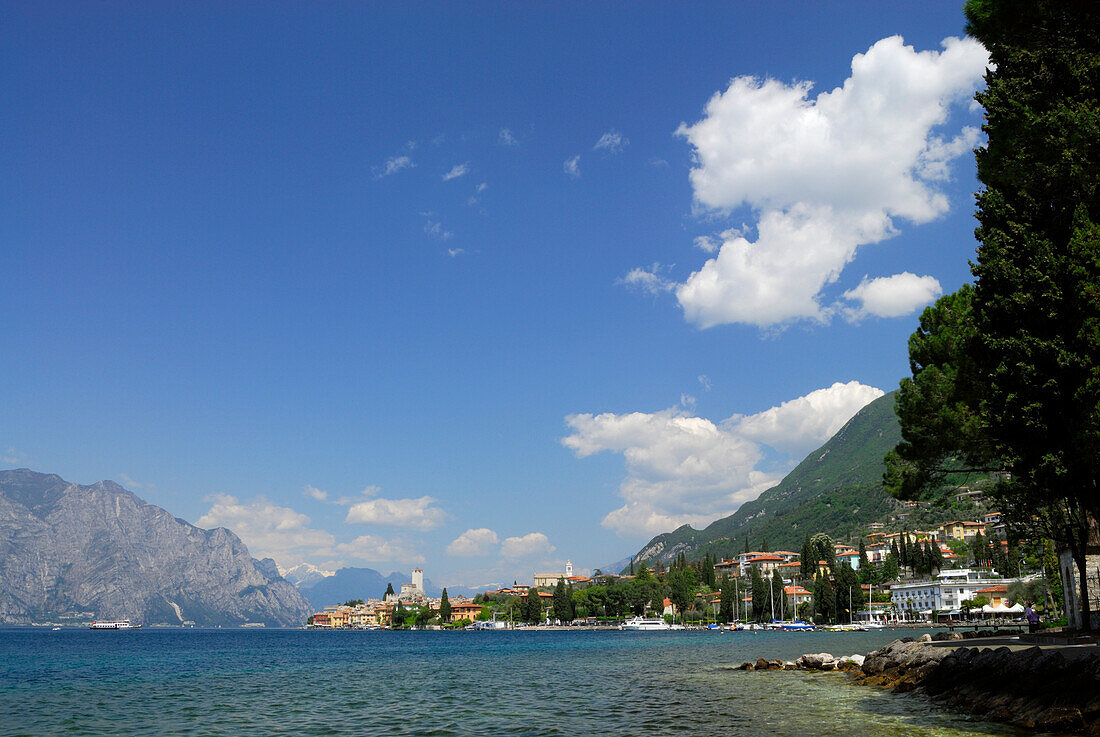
x,y
354,583
305,575
68,548
836,489
366,583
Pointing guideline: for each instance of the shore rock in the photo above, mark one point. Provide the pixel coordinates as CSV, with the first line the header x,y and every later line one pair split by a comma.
x,y
814,661
1032,688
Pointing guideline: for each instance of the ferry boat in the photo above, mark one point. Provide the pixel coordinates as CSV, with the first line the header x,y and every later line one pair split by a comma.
x,y
645,624
118,624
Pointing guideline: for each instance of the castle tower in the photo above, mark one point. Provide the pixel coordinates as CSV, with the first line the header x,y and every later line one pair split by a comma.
x,y
568,569
418,579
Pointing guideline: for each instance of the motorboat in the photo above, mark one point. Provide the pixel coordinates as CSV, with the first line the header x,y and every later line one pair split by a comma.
x,y
795,626
646,624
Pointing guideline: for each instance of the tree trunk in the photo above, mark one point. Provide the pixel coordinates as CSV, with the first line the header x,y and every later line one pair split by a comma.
x,y
1086,607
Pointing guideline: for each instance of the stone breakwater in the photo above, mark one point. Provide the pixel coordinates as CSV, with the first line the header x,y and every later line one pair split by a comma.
x,y
812,661
1047,689
1036,688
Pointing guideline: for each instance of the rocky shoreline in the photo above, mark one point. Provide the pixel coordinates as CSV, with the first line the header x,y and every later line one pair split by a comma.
x,y
1046,689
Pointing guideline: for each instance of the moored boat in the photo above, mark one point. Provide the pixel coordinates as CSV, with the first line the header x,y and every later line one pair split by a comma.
x,y
646,624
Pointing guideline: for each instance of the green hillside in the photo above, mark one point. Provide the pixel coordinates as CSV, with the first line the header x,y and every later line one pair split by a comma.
x,y
837,489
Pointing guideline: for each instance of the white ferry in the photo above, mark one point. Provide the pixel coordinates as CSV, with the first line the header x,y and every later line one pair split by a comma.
x,y
118,624
645,624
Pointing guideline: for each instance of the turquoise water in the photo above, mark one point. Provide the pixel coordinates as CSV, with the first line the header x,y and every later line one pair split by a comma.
x,y
267,682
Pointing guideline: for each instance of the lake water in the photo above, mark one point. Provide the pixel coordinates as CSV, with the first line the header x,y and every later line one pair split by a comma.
x,y
269,682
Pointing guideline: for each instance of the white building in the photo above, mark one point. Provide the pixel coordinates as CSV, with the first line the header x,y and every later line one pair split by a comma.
x,y
413,591
945,593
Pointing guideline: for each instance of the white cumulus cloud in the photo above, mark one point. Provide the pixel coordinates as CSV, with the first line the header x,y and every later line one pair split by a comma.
x,y
683,469
825,175
798,426
613,142
315,493
268,529
572,166
648,280
456,171
506,138
415,514
395,164
526,546
435,229
473,542
893,296
374,549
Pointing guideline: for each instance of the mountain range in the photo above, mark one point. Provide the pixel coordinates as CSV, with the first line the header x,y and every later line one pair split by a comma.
x,y
72,551
836,489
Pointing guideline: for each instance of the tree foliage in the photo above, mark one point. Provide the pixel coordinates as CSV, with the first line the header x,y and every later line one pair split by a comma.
x,y
1037,298
759,595
444,607
1006,375
726,608
563,602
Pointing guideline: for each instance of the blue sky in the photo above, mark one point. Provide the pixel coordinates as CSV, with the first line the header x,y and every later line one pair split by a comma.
x,y
475,286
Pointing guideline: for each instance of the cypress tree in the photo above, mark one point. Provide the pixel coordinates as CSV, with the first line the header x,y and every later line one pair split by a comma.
x,y
1037,272
563,603
444,607
759,595
778,601
726,606
533,609
808,564
890,570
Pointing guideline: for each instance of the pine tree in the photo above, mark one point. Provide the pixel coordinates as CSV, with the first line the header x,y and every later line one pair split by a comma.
x,y
863,562
764,545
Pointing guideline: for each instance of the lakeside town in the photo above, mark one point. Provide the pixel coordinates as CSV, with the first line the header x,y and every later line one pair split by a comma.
x,y
957,571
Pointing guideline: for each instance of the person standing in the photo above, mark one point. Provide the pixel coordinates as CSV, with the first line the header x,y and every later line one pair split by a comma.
x,y
1032,618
